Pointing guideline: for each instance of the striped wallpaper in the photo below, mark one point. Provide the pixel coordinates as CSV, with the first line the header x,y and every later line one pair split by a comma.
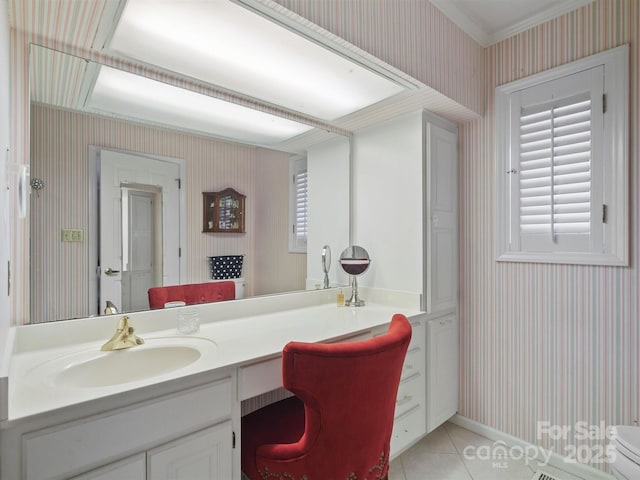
x,y
556,343
60,141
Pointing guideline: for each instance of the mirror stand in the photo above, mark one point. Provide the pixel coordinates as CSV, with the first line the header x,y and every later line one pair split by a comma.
x,y
354,300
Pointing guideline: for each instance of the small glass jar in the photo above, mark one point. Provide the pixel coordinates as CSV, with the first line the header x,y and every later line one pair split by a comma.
x,y
188,321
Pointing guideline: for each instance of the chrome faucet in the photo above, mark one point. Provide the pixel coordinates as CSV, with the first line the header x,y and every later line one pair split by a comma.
x,y
123,338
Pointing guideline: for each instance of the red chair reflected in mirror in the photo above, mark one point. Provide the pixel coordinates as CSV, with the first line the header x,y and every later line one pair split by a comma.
x,y
192,293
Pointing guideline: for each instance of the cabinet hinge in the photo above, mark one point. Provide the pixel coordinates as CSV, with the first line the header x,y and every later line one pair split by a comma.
x,y
604,213
604,103
233,439
179,180
179,252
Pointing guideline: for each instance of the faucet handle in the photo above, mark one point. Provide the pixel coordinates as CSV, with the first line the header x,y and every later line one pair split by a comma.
x,y
123,324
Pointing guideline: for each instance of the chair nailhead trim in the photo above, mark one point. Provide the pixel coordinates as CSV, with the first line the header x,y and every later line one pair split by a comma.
x,y
379,467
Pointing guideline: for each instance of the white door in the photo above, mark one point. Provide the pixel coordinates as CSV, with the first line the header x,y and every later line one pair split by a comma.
x,y
441,256
118,170
205,455
141,258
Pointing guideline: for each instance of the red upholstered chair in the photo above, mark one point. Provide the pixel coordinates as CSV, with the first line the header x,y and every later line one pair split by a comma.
x,y
338,426
192,293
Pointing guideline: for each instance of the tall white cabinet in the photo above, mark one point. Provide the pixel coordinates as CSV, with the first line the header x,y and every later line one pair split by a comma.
x,y
440,263
440,219
405,203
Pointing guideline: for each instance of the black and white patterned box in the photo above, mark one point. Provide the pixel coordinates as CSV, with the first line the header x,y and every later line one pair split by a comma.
x,y
226,266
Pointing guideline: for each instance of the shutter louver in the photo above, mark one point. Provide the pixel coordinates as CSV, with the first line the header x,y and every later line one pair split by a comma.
x,y
555,167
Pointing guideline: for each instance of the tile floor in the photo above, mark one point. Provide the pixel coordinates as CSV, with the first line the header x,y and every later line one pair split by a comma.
x,y
439,456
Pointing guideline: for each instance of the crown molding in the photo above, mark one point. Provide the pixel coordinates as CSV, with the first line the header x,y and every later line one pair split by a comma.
x,y
550,13
486,38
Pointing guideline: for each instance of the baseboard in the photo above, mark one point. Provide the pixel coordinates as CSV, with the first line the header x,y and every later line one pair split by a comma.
x,y
556,460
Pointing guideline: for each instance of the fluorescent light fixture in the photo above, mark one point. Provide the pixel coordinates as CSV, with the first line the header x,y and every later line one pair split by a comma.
x,y
140,98
224,44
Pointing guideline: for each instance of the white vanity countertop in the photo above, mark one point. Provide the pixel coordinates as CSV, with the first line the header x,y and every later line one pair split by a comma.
x,y
239,341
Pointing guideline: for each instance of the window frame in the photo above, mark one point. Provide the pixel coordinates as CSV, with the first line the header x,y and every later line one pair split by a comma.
x,y
296,165
615,153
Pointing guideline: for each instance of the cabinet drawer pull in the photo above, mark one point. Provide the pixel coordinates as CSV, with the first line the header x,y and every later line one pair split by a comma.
x,y
404,400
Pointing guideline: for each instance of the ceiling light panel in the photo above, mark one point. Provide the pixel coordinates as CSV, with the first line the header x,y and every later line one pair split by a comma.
x,y
140,98
224,44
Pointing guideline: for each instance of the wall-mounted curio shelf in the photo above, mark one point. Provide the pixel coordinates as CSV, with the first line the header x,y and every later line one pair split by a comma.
x,y
223,211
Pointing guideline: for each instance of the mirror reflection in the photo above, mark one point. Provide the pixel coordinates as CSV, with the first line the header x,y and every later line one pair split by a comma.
x,y
122,208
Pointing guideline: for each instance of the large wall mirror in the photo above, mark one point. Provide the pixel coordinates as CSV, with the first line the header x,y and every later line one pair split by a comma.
x,y
224,91
73,131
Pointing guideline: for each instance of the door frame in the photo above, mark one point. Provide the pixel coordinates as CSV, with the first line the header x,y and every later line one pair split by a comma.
x,y
93,160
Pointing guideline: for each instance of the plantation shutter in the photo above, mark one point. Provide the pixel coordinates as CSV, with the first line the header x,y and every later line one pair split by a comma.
x,y
299,205
557,158
302,207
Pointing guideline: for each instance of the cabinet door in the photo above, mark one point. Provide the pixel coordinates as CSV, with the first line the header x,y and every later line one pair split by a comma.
x,y
442,370
441,222
205,455
132,468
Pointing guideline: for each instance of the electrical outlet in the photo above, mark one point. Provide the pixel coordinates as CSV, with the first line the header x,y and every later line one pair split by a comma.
x,y
72,235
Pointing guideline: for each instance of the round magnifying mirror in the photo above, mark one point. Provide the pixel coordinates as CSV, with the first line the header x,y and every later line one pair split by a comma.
x,y
355,260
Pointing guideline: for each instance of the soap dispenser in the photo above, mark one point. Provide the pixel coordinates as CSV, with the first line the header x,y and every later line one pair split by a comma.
x,y
340,300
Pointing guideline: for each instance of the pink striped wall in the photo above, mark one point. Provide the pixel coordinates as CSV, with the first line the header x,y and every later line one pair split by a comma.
x,y
60,143
559,343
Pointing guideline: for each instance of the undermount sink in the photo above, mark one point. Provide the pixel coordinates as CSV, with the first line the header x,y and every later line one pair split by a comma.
x,y
91,368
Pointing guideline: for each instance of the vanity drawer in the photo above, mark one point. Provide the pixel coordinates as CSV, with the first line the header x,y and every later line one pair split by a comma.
x,y
259,378
71,448
263,377
410,394
413,363
407,428
418,336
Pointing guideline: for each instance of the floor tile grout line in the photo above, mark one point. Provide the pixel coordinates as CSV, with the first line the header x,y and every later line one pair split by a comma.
x,y
404,474
458,451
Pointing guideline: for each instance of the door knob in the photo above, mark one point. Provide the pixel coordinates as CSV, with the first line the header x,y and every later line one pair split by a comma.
x,y
111,271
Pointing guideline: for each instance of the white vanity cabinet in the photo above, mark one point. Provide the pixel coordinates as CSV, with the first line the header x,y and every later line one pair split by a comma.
x,y
409,419
442,370
203,455
183,435
132,468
